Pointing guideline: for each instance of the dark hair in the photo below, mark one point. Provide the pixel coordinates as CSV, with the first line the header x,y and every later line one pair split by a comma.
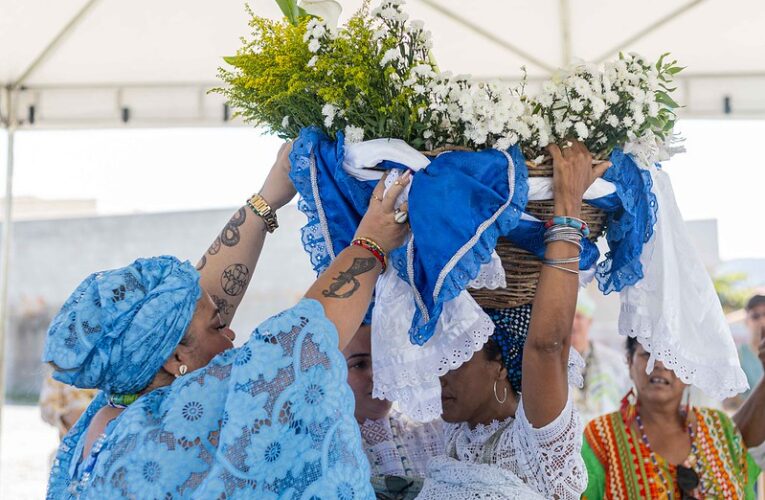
x,y
492,351
631,346
754,301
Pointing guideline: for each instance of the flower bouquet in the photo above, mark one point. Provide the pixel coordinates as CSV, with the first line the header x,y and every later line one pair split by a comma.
x,y
368,96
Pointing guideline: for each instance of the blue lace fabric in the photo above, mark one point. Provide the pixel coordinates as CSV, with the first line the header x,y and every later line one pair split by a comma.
x,y
459,205
272,419
464,230
631,220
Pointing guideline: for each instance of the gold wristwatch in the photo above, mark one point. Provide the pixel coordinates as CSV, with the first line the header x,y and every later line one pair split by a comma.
x,y
261,207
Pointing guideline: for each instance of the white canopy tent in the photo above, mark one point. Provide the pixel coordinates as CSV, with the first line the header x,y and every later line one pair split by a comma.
x,y
109,63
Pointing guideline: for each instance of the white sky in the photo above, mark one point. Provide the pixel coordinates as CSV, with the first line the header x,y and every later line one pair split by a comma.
x,y
722,176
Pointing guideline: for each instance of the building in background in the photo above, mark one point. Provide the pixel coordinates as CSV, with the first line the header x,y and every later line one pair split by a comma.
x,y
50,258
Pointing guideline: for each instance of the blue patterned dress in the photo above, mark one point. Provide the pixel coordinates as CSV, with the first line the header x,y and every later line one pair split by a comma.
x,y
272,419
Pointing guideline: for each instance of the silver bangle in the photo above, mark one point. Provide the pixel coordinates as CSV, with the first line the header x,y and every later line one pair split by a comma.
x,y
571,260
572,271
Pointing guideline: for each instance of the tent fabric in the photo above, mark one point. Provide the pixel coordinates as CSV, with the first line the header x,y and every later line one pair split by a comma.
x,y
158,59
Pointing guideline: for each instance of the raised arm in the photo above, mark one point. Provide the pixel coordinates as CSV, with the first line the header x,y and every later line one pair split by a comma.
x,y
545,354
226,267
345,288
750,418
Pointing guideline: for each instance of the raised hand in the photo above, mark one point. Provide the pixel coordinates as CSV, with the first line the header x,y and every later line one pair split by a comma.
x,y
573,173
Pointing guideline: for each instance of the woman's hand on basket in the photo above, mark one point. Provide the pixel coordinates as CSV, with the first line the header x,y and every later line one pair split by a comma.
x,y
379,223
573,174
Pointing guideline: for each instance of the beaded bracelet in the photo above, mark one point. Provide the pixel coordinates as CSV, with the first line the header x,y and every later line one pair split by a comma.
x,y
373,248
578,224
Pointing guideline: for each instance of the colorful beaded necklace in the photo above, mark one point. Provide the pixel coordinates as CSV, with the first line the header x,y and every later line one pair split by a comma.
x,y
659,471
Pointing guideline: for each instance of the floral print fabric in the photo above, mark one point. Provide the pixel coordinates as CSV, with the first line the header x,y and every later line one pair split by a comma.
x,y
271,419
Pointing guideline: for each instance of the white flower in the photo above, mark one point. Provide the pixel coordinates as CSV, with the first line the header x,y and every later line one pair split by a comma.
x,y
286,122
312,61
390,55
581,130
314,45
416,25
612,120
328,10
628,121
329,111
353,135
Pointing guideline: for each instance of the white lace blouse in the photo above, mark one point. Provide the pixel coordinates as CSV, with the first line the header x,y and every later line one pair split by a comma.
x,y
399,446
548,460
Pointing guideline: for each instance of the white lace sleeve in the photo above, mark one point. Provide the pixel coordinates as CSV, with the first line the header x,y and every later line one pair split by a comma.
x,y
548,459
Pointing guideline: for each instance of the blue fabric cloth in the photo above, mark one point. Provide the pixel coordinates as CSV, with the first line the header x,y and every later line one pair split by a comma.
x,y
272,419
119,326
630,223
449,245
456,215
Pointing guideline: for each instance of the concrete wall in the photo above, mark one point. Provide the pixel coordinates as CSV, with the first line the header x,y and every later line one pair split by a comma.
x,y
51,257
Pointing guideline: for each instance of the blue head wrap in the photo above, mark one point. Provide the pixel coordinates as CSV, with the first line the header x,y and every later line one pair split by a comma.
x,y
119,327
511,327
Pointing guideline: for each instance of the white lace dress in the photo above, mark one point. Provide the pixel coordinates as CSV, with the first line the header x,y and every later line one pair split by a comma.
x,y
399,446
509,460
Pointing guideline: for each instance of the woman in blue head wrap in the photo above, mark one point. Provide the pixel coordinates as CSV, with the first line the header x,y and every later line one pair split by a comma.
x,y
183,414
512,431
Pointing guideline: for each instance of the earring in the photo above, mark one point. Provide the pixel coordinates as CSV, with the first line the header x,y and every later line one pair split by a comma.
x,y
629,406
183,369
496,396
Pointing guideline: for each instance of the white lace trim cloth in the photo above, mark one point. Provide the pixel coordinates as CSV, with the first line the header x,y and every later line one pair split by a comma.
x,y
674,311
398,446
408,373
547,460
450,479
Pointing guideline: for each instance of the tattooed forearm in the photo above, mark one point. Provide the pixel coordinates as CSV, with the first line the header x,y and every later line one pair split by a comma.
x,y
222,304
230,234
346,283
215,247
234,279
201,263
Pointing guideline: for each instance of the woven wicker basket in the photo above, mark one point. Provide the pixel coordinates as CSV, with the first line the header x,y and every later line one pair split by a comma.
x,y
521,267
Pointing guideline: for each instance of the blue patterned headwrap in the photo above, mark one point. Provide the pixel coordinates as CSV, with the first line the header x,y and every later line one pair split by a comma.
x,y
119,327
511,327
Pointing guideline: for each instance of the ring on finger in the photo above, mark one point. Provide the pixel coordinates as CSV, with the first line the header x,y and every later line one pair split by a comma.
x,y
567,145
375,197
397,183
400,216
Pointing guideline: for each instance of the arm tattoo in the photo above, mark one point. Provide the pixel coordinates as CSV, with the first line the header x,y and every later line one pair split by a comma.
x,y
230,234
202,263
348,278
215,247
222,304
234,279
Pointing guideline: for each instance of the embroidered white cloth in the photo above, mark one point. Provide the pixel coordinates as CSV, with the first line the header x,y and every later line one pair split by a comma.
x,y
547,460
399,446
450,479
674,310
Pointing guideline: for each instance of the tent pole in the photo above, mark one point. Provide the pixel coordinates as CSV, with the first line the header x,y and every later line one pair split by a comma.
x,y
5,249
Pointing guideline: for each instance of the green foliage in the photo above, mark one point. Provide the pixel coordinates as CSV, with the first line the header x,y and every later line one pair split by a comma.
x,y
732,294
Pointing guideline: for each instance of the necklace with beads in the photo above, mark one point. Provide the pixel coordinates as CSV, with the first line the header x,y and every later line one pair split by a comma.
x,y
654,460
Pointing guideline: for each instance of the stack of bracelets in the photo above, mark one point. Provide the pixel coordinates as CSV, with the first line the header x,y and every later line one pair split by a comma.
x,y
568,229
374,248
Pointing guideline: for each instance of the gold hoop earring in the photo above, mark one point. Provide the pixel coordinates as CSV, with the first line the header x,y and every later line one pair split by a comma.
x,y
496,396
